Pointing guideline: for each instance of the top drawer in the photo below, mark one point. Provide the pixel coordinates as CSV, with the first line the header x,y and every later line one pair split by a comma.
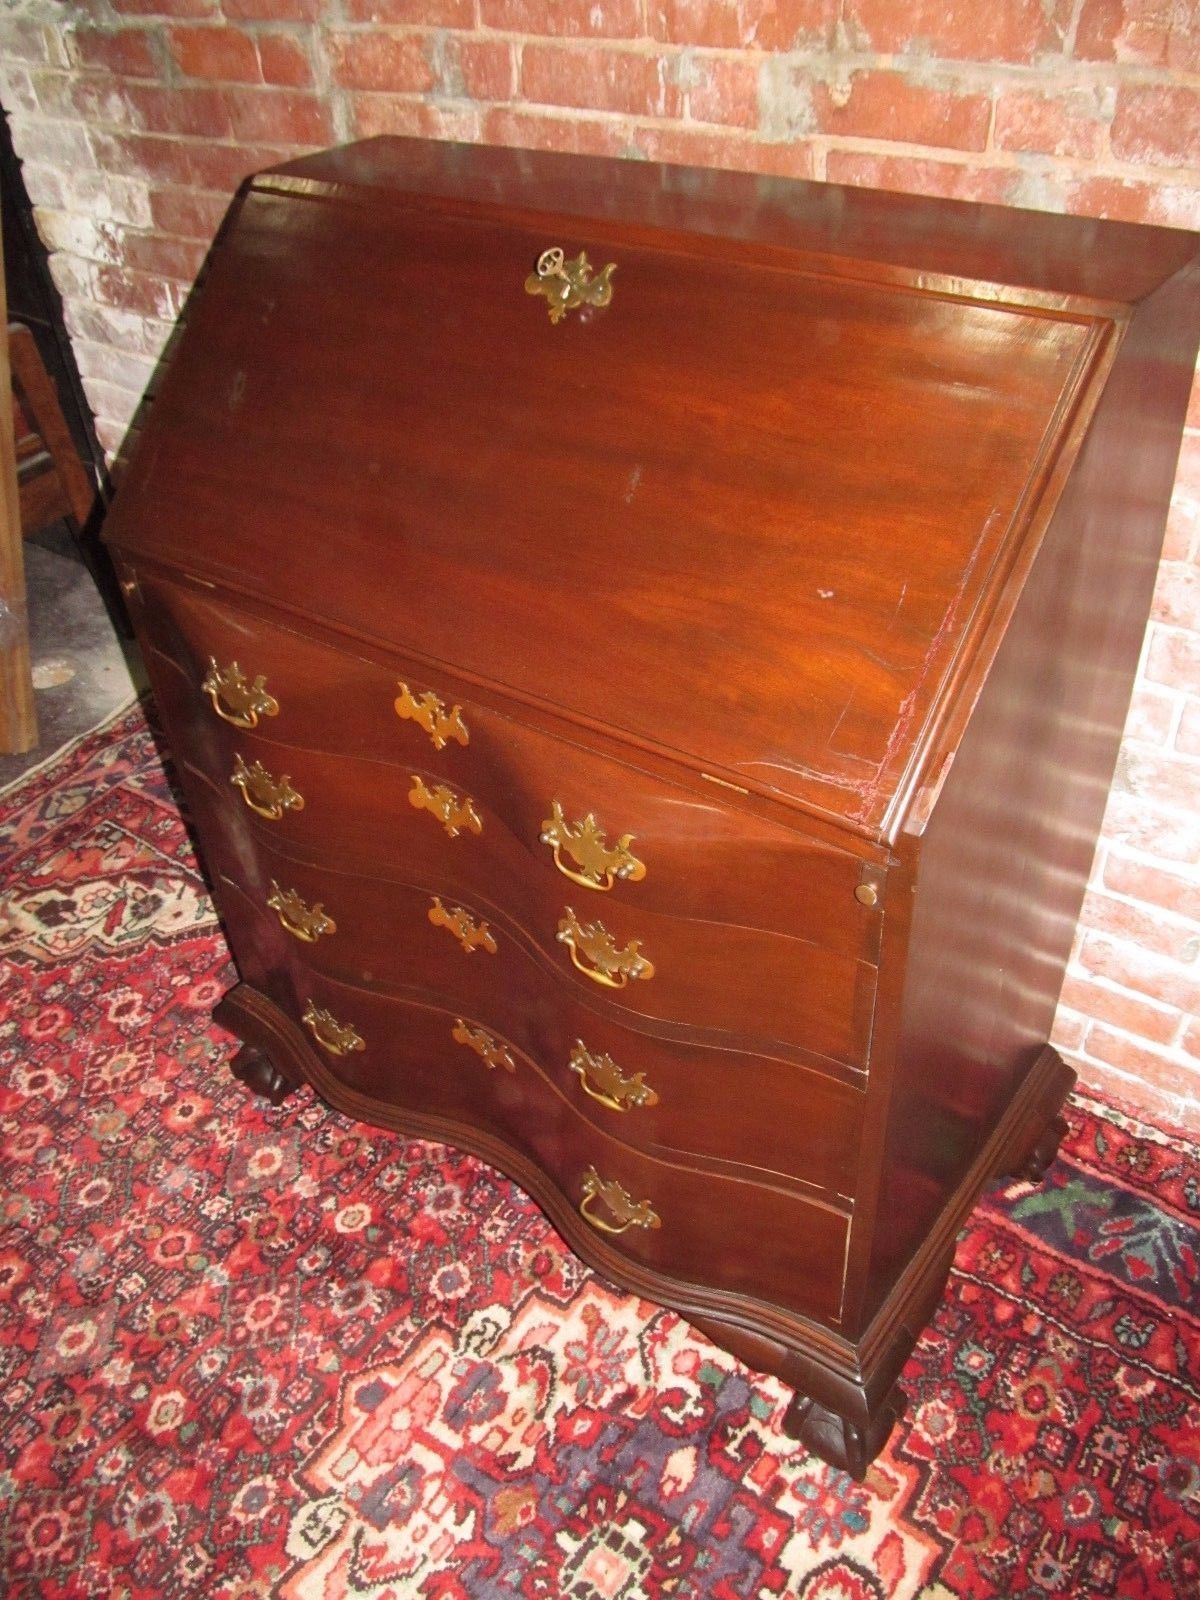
x,y
607,827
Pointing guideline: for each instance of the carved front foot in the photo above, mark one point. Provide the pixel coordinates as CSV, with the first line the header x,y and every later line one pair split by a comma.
x,y
1032,1166
836,1439
253,1068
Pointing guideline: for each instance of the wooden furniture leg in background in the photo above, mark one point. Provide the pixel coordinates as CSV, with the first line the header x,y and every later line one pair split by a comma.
x,y
18,719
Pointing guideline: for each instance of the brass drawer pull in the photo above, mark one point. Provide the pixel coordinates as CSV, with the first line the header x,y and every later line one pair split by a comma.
x,y
489,1050
338,1038
601,1078
236,700
269,796
303,922
568,285
630,1213
470,934
600,864
453,814
591,942
428,712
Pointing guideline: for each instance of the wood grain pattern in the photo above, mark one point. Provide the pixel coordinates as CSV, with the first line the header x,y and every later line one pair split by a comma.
x,y
813,566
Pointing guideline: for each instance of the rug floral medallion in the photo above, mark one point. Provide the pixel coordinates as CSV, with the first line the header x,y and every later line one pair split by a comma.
x,y
258,1352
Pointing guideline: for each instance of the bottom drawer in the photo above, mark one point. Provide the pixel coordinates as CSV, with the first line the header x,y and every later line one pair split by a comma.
x,y
681,1220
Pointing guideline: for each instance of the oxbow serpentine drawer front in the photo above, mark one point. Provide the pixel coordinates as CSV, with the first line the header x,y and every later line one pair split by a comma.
x,y
646,652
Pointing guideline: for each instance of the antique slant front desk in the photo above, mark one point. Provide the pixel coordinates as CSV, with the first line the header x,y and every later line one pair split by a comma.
x,y
645,651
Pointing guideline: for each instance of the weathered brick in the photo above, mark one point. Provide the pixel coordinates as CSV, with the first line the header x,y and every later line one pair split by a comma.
x,y
130,52
64,145
187,162
1139,880
413,13
1173,658
1165,1070
1172,835
1152,930
157,109
886,105
571,19
279,116
372,114
1068,1032
725,91
750,24
222,55
111,400
1151,715
1155,33
272,10
1142,970
17,91
477,69
127,330
45,186
130,371
1157,124
384,63
1016,31
1174,205
112,436
105,197
532,131
73,280
917,175
187,213
1138,1097
79,236
177,259
284,60
1122,1010
685,145
1177,595
604,80
22,39
1073,122
136,291
1183,527
166,8
1187,738
1187,474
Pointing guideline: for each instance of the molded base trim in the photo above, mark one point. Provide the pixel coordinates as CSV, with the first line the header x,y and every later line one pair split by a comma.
x,y
847,1401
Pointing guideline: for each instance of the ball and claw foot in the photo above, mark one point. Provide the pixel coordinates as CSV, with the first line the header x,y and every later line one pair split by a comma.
x,y
1034,1165
836,1439
253,1068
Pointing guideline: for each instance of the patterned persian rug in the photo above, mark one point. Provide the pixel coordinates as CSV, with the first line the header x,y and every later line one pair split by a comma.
x,y
255,1352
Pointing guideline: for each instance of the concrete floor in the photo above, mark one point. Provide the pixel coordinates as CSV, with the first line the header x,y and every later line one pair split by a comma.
x,y
82,669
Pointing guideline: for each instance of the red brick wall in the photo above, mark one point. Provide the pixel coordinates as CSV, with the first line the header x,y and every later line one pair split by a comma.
x,y
136,118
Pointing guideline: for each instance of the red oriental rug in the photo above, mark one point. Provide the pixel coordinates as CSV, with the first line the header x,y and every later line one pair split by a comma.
x,y
256,1352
